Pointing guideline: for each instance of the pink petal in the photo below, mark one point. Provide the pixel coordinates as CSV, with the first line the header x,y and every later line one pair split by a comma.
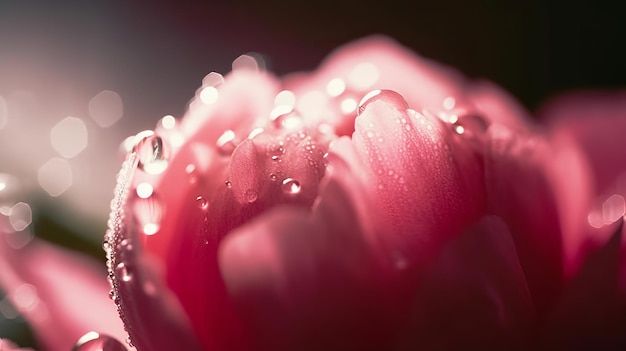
x,y
598,122
62,294
428,185
474,296
541,189
592,312
312,281
151,314
6,345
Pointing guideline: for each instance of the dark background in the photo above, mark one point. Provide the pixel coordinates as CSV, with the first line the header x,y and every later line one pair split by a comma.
x,y
155,53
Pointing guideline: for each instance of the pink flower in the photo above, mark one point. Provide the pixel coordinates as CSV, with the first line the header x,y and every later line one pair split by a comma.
x,y
383,202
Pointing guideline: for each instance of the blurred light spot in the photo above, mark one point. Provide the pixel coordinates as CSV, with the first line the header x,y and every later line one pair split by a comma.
x,y
448,103
245,62
613,209
4,113
69,137
348,105
177,139
168,122
8,311
292,122
3,185
363,76
312,103
286,98
594,218
336,87
21,216
144,190
209,95
25,297
459,130
150,228
18,240
106,108
55,176
127,145
212,79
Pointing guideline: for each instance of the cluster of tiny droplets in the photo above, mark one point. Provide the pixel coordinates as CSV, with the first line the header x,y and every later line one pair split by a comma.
x,y
114,235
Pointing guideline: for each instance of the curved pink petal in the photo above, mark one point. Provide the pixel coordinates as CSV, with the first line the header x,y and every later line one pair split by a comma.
x,y
474,296
427,185
151,314
597,121
592,312
311,281
540,186
62,294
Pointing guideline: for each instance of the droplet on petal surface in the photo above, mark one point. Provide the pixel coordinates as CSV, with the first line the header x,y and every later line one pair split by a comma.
x,y
93,341
151,154
202,202
386,95
291,186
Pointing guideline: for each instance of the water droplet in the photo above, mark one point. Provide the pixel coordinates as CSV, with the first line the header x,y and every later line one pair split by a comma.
x,y
202,202
228,184
123,273
251,195
226,143
106,246
470,124
389,96
93,341
291,186
151,154
273,177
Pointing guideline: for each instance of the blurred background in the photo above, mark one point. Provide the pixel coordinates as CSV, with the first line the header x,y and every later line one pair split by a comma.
x,y
77,77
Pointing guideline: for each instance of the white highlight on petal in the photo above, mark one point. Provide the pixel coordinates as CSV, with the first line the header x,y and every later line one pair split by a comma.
x,y
245,62
150,228
286,98
209,95
363,76
613,208
168,122
144,190
69,137
55,176
449,103
348,105
335,87
106,108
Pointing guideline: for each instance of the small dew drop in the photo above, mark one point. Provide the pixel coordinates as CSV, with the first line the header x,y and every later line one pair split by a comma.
x,y
93,341
273,177
151,154
202,202
291,186
388,96
251,195
228,184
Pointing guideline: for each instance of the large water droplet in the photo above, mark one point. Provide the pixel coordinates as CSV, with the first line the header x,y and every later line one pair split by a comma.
x,y
388,96
93,341
151,154
291,186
